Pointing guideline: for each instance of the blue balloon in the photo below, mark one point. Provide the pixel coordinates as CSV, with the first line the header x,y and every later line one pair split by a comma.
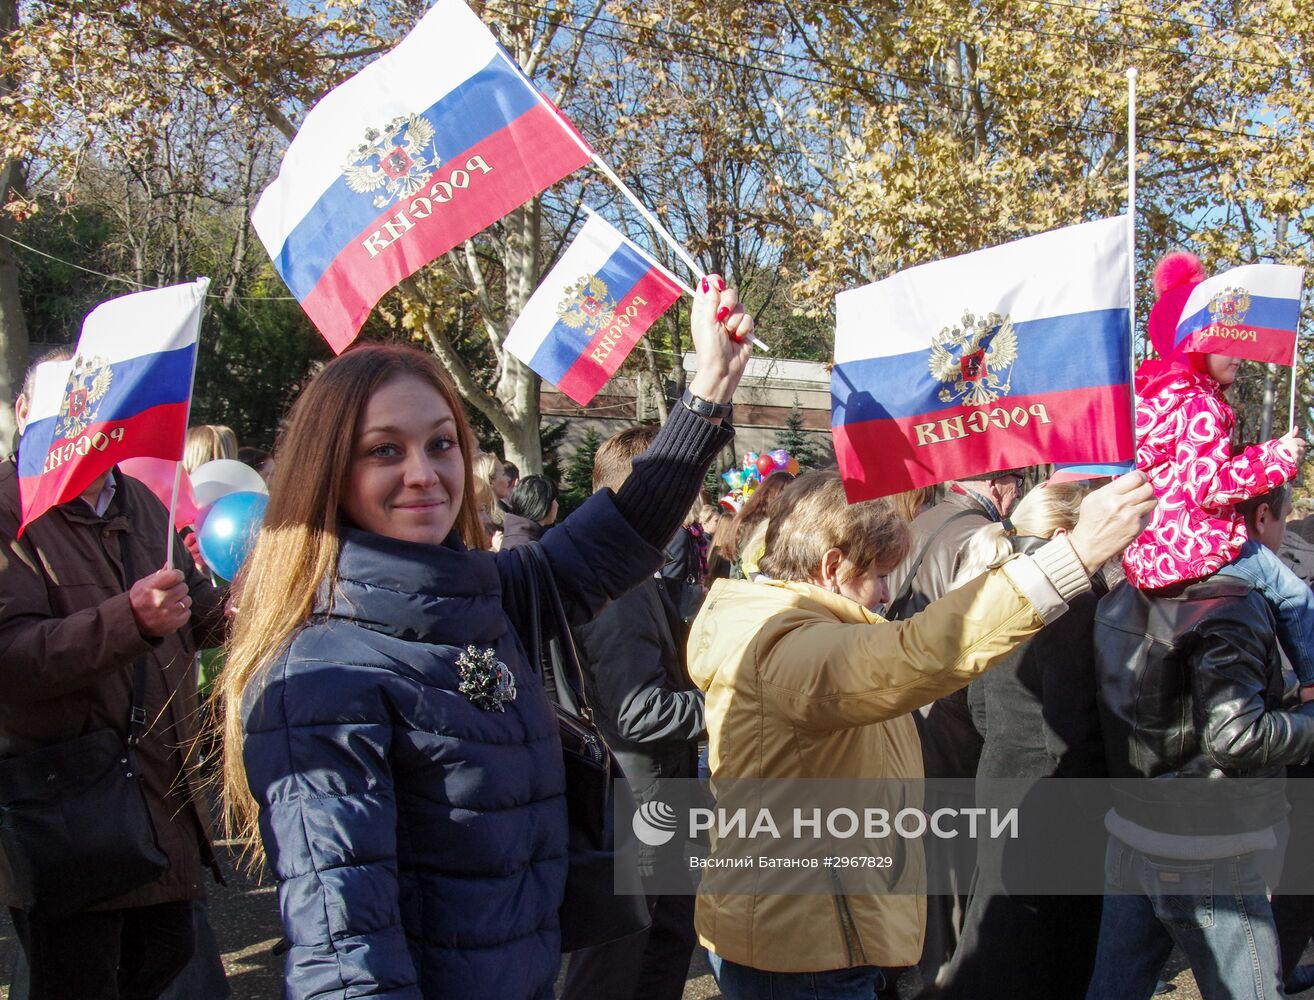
x,y
227,531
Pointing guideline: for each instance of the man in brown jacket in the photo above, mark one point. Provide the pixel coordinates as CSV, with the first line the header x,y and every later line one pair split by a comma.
x,y
82,597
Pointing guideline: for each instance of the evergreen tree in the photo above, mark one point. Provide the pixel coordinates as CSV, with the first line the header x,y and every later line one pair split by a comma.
x,y
798,442
577,480
713,484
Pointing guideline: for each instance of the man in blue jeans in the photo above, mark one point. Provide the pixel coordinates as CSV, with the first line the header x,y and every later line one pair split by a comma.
x,y
1190,689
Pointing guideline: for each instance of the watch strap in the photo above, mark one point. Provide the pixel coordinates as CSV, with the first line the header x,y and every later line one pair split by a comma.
x,y
706,408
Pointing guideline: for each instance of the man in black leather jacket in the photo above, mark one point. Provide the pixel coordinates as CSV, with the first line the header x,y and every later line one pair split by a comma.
x,y
651,717
1190,687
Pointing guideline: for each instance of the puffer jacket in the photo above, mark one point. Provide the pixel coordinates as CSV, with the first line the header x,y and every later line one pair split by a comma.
x,y
420,841
803,683
1183,432
1190,686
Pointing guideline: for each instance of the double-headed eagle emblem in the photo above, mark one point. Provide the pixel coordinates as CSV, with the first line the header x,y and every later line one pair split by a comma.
x,y
393,158
1229,307
87,384
974,361
587,303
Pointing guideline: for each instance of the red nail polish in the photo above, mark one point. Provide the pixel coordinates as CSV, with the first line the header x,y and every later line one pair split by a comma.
x,y
720,283
706,287
722,313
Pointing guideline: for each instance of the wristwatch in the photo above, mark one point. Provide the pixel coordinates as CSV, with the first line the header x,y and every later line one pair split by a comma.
x,y
706,408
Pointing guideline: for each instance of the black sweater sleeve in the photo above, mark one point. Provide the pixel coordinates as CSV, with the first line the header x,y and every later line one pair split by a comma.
x,y
657,495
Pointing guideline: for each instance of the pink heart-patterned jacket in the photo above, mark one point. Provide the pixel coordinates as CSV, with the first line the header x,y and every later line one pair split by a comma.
x,y
1183,434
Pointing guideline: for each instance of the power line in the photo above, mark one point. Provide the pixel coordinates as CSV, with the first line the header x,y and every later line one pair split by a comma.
x,y
129,281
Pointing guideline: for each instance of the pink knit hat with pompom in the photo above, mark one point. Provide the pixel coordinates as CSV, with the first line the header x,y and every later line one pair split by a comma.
x,y
1174,278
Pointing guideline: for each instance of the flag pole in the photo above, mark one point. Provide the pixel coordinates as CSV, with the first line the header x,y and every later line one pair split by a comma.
x,y
1131,238
1295,363
615,179
178,466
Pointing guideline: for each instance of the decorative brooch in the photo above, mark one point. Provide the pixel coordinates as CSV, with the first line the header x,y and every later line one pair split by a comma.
x,y
485,680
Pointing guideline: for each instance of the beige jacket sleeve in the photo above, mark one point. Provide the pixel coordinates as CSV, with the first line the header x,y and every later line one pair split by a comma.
x,y
826,674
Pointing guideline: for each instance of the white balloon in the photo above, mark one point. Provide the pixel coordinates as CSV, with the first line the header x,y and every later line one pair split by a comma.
x,y
223,476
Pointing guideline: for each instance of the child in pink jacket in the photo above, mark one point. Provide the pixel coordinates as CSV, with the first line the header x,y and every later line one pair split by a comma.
x,y
1183,443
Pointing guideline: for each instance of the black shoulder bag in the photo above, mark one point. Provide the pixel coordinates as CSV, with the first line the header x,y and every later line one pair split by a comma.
x,y
604,894
74,826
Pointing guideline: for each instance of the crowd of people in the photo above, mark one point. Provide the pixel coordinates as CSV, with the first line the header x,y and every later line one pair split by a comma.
x,y
388,720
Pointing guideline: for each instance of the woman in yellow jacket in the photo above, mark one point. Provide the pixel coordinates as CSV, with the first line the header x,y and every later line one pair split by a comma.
x,y
804,681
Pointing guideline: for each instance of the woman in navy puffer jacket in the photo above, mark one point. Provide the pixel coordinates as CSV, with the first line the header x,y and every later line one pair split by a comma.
x,y
401,756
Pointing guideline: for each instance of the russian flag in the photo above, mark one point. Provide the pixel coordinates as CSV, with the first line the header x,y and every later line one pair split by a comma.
x,y
1248,312
1081,472
1012,356
423,148
588,313
126,393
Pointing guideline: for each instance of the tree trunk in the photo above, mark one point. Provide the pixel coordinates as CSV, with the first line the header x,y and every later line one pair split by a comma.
x,y
14,345
518,386
1270,403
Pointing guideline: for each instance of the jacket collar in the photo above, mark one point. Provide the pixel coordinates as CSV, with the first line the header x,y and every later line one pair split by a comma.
x,y
1027,544
514,524
429,593
118,515
837,605
960,496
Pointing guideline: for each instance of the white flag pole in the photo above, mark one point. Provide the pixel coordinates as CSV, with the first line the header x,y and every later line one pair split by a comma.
x,y
1295,363
619,184
1131,231
1131,207
178,466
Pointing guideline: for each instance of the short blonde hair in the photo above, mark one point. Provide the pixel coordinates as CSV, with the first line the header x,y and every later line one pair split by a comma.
x,y
1042,512
910,503
813,515
207,443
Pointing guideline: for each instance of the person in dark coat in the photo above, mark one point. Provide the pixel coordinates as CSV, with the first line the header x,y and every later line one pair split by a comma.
x,y
533,509
82,598
651,717
1192,695
1038,717
385,728
951,747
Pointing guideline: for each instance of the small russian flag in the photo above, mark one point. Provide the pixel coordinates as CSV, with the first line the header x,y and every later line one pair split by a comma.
x,y
126,393
1248,312
1082,473
590,311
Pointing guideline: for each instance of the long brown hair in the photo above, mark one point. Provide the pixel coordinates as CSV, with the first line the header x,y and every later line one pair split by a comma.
x,y
296,552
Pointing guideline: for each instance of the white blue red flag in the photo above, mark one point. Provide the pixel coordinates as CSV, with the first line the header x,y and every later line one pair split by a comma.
x,y
1007,357
590,311
1083,471
420,150
1248,312
126,393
